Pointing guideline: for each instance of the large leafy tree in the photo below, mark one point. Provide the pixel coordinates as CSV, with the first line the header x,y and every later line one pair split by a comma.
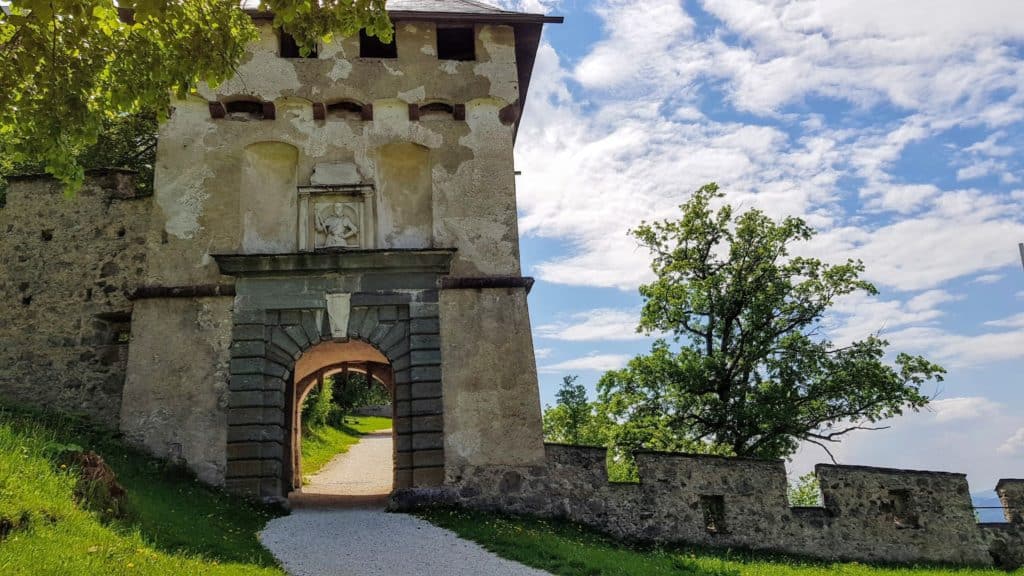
x,y
751,373
70,65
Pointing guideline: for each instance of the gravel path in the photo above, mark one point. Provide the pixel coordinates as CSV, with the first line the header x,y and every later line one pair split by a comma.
x,y
351,540
376,543
366,469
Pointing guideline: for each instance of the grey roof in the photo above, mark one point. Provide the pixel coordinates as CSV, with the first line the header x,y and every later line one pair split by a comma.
x,y
451,6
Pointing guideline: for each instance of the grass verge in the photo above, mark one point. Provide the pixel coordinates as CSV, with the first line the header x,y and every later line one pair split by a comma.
x,y
323,443
569,550
172,524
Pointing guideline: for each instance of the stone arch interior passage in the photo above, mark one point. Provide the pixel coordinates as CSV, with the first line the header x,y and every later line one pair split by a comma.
x,y
337,361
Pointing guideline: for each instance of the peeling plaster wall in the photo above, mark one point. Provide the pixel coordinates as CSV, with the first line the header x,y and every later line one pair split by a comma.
x,y
205,199
491,403
176,395
267,192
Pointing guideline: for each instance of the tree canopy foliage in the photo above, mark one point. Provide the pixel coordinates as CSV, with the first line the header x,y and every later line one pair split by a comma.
x,y
71,65
751,373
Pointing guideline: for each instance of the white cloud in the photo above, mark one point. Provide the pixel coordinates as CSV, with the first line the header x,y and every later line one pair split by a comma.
x,y
963,408
1014,445
959,350
597,324
1015,321
979,169
593,362
542,353
987,279
990,147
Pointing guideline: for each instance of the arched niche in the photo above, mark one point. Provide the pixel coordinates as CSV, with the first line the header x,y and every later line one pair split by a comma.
x,y
405,192
267,198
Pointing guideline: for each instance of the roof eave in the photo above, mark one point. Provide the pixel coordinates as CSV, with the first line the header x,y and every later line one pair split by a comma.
x,y
408,15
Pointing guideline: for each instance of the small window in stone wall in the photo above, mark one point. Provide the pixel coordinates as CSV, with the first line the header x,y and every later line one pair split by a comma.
x,y
456,44
372,47
901,506
244,110
289,48
437,111
345,110
714,514
113,328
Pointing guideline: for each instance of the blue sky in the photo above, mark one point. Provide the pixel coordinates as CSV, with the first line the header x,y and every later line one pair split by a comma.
x,y
896,129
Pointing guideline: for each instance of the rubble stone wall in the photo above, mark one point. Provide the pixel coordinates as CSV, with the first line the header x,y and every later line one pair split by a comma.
x,y
68,266
869,514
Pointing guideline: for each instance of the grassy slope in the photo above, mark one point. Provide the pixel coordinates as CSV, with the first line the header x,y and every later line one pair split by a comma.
x,y
174,526
568,550
321,444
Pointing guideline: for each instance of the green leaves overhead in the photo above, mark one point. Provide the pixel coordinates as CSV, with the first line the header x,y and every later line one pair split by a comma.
x,y
752,375
70,64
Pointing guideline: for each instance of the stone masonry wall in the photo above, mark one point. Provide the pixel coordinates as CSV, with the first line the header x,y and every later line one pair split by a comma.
x,y
67,268
869,514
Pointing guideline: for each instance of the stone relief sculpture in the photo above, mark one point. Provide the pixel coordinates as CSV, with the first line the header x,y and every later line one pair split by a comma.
x,y
338,216
335,223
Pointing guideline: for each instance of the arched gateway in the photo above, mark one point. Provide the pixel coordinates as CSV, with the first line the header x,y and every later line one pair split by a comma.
x,y
293,321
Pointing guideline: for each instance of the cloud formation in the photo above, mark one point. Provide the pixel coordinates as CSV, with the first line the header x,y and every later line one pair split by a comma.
x,y
591,363
597,324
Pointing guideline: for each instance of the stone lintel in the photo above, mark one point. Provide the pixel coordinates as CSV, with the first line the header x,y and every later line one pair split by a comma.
x,y
404,261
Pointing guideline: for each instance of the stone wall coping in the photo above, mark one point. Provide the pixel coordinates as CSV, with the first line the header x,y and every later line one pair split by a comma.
x,y
1003,481
576,446
89,172
889,471
661,453
437,261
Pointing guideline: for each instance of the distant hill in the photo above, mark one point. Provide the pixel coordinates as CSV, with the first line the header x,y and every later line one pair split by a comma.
x,y
988,498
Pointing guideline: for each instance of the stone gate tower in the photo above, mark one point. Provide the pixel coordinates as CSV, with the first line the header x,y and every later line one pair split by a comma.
x,y
363,194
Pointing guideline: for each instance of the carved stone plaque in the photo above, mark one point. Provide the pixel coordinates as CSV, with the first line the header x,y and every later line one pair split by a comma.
x,y
336,217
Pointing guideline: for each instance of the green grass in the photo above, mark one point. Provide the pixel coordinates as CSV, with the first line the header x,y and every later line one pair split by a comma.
x,y
173,524
321,444
569,550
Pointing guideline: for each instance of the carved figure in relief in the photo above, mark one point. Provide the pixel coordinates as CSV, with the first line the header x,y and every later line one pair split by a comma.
x,y
339,230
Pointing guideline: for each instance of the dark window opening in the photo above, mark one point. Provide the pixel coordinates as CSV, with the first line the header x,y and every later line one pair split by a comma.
x,y
289,48
436,110
714,513
345,110
244,110
113,328
456,44
372,47
902,509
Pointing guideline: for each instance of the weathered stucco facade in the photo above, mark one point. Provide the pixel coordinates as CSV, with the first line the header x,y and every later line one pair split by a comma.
x,y
357,210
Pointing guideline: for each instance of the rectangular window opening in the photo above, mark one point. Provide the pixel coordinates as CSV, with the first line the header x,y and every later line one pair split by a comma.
x,y
714,513
456,44
289,48
902,508
372,47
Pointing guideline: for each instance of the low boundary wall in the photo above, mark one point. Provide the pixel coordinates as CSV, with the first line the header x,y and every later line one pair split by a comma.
x,y
869,514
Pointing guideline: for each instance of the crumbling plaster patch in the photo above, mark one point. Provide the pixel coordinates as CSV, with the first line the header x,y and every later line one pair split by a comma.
x,y
261,73
498,42
418,94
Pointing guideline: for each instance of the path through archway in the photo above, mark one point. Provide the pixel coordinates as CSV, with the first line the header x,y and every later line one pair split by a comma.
x,y
365,473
